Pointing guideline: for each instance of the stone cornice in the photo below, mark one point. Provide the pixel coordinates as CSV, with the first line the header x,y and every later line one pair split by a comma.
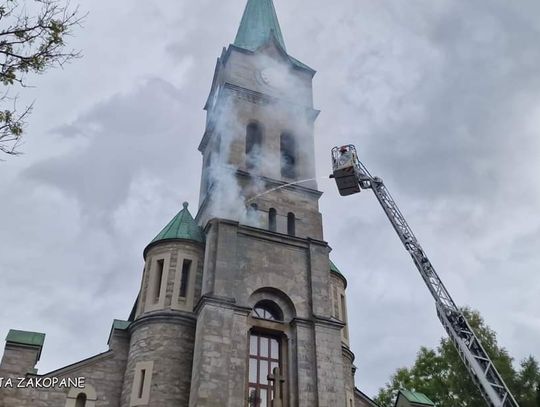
x,y
167,317
302,322
328,322
347,353
278,183
222,302
264,99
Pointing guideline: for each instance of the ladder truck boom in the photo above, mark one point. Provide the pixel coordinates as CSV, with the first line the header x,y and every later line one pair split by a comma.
x,y
351,177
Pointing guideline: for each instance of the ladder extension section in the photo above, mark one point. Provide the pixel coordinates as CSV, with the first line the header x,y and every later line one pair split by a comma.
x,y
476,360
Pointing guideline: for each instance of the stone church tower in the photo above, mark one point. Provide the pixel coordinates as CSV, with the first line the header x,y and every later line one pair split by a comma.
x,y
240,306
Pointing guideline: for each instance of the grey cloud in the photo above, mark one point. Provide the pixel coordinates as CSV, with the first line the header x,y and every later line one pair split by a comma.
x,y
441,108
442,99
128,134
470,101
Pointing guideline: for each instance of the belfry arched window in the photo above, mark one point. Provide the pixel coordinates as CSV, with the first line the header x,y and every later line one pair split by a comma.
x,y
207,178
272,220
254,139
291,224
288,155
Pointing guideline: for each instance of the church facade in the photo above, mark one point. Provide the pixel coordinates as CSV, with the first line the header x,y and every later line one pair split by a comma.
x,y
240,305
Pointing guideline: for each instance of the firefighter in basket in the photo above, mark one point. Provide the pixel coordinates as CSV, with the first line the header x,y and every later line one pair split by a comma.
x,y
345,169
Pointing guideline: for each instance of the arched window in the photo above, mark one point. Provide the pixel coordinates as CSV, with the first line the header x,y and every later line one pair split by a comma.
x,y
291,224
267,350
265,355
288,155
254,136
81,400
272,214
253,218
268,310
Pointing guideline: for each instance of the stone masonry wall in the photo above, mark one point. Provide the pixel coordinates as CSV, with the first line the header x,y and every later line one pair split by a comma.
x,y
331,383
166,339
219,363
348,374
104,372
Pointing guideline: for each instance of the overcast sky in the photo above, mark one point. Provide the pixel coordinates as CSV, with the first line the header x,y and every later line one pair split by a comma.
x,y
442,99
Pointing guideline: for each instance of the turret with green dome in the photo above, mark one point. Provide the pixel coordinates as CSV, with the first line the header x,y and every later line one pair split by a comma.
x,y
181,227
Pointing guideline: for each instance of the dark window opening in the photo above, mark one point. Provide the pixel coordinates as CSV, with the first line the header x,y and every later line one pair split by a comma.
x,y
184,278
141,383
272,222
254,136
288,155
264,356
208,173
291,224
81,400
158,279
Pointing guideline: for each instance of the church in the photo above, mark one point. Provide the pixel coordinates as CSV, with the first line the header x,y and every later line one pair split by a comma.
x,y
239,305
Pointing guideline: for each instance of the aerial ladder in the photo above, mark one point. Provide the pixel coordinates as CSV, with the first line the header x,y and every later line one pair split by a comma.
x,y
351,177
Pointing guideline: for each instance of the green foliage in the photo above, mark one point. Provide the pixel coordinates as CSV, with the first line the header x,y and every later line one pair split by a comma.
x,y
528,383
29,44
440,374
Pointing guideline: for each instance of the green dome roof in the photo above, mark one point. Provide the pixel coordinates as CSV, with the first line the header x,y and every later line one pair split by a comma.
x,y
182,226
333,268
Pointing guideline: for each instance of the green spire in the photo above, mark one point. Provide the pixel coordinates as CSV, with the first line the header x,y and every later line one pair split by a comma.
x,y
259,22
182,226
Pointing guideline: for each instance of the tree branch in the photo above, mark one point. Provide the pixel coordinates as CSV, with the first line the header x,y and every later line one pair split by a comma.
x,y
30,44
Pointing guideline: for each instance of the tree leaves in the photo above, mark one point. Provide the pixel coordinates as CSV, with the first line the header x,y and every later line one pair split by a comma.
x,y
29,44
440,374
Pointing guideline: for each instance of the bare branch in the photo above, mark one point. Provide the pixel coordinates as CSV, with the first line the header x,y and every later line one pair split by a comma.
x,y
30,44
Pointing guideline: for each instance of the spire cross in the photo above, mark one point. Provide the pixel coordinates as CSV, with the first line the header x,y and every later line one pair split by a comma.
x,y
277,379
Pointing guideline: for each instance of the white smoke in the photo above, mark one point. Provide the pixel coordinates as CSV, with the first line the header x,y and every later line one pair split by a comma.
x,y
227,195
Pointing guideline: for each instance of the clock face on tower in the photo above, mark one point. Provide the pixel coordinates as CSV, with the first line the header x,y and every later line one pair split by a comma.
x,y
273,77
